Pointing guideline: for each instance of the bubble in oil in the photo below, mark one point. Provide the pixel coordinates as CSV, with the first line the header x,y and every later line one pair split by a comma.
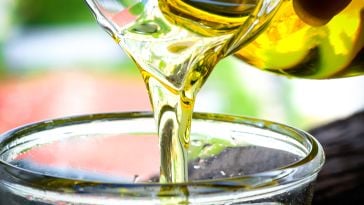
x,y
196,143
196,166
145,28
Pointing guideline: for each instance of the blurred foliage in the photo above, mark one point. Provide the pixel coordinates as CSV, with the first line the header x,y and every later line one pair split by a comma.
x,y
235,98
45,12
2,61
6,21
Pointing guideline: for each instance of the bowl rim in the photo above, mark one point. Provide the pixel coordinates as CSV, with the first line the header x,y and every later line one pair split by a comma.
x,y
231,183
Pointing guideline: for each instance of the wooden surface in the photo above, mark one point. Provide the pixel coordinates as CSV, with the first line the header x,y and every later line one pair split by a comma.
x,y
341,180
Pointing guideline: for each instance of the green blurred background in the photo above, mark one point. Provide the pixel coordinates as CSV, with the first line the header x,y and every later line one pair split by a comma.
x,y
56,61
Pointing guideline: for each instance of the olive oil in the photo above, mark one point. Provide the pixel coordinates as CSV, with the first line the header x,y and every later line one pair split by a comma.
x,y
291,46
176,44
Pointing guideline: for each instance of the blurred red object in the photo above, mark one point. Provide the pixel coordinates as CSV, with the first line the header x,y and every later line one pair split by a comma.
x,y
114,156
63,93
28,99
